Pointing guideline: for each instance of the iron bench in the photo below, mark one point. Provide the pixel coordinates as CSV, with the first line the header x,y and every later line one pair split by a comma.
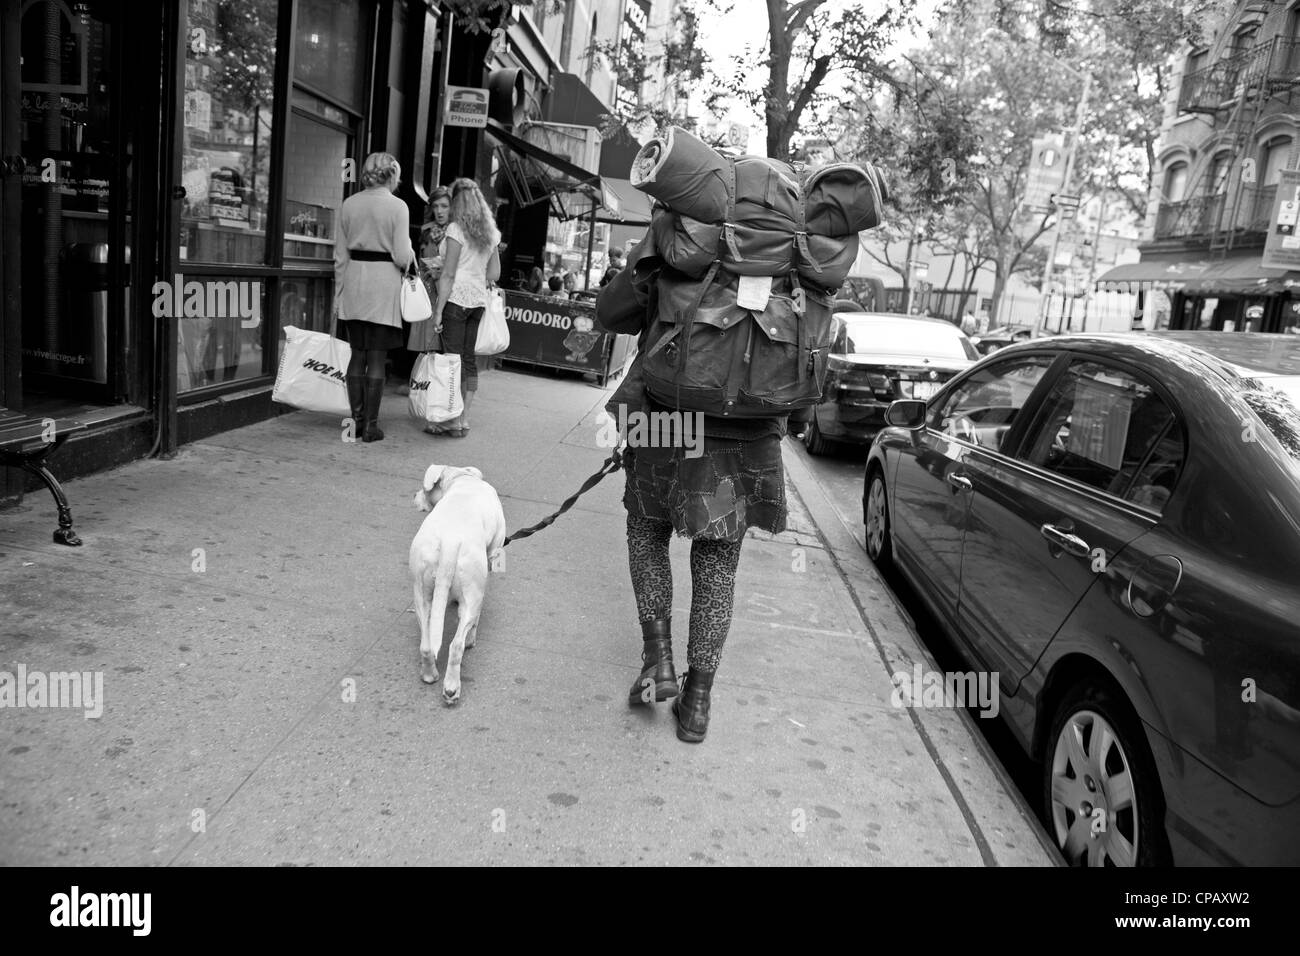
x,y
25,443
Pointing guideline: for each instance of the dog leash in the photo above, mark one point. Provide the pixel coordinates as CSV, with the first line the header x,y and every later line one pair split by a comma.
x,y
612,464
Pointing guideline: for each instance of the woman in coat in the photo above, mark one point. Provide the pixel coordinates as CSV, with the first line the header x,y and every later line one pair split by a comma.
x,y
372,252
471,264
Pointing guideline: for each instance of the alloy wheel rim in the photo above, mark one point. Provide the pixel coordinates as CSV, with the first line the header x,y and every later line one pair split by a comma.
x,y
875,518
1094,806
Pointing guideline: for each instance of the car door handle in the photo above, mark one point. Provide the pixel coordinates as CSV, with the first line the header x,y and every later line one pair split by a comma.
x,y
1069,543
960,482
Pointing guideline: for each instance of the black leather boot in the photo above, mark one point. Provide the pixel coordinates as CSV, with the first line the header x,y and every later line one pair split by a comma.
x,y
374,395
691,708
357,403
657,661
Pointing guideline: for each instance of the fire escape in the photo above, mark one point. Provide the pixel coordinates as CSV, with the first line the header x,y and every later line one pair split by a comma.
x,y
1234,92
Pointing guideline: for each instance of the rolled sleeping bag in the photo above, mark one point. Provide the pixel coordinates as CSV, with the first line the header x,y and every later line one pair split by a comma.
x,y
684,173
767,194
844,199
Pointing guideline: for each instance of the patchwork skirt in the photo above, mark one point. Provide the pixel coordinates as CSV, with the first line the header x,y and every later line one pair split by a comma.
x,y
728,487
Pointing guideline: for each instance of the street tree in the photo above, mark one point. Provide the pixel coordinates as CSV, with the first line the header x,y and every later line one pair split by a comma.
x,y
813,51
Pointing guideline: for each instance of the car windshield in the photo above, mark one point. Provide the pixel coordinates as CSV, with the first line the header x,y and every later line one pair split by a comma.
x,y
908,337
1277,403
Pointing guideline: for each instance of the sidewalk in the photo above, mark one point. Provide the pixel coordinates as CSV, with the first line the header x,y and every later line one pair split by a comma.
x,y
248,605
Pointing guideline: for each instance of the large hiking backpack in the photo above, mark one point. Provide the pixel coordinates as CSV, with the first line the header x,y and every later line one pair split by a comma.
x,y
704,352
734,227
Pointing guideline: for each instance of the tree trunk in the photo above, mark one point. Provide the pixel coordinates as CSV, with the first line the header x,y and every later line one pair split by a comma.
x,y
778,81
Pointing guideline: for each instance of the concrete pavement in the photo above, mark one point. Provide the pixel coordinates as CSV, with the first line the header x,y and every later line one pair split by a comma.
x,y
248,605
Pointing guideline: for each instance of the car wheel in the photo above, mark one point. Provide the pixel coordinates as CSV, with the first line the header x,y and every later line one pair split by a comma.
x,y
875,512
1101,791
817,443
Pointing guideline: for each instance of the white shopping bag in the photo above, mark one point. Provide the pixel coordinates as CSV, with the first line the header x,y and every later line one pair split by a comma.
x,y
493,333
313,372
435,388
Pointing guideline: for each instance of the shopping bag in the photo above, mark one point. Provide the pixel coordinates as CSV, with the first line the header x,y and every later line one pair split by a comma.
x,y
313,371
493,333
435,388
415,303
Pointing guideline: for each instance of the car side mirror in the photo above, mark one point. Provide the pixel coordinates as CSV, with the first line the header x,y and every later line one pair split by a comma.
x,y
906,413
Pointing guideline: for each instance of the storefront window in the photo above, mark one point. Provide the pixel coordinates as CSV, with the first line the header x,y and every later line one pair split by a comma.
x,y
229,80
319,141
219,329
74,294
328,50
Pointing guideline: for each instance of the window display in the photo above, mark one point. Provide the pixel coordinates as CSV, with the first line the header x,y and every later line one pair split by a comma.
x,y
229,79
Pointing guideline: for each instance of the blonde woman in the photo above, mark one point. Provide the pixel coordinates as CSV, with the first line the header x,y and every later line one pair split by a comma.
x,y
372,252
470,264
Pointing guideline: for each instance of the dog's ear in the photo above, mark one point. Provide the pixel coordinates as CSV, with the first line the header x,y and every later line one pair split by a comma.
x,y
433,476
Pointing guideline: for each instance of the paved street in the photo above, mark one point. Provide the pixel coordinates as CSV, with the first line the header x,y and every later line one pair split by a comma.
x,y
248,604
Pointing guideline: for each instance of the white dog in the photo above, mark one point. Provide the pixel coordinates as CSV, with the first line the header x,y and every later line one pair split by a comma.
x,y
464,532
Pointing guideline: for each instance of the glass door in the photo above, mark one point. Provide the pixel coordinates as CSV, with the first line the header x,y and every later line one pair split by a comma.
x,y
76,185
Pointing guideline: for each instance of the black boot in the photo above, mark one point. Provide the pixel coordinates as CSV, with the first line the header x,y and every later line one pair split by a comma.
x,y
374,395
691,708
657,661
357,402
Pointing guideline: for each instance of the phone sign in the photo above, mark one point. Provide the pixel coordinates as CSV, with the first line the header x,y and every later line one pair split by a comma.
x,y
467,106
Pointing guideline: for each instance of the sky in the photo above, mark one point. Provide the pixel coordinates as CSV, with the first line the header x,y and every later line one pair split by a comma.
x,y
726,38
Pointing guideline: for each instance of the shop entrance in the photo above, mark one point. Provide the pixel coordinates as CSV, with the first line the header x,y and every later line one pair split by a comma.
x,y
72,193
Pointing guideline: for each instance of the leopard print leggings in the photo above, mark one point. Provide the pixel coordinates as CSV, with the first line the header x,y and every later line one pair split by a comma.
x,y
713,586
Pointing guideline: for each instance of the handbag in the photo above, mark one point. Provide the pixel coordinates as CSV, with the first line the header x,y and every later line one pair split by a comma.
x,y
312,373
493,332
415,303
435,388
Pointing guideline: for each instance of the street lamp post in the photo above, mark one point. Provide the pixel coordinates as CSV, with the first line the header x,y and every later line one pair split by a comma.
x,y
1065,187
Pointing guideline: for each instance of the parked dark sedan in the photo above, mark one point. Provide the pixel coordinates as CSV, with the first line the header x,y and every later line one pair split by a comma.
x,y
1001,337
875,358
1110,524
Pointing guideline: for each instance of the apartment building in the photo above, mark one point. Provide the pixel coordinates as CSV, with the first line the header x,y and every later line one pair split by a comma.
x,y
1231,128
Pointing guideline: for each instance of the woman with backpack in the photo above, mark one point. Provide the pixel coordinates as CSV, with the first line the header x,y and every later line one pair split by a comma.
x,y
710,481
471,264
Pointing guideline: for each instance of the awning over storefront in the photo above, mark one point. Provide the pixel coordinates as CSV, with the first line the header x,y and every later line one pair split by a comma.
x,y
634,205
1239,276
536,174
1147,275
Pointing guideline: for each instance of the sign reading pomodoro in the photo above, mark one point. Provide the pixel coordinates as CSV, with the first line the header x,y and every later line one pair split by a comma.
x,y
554,332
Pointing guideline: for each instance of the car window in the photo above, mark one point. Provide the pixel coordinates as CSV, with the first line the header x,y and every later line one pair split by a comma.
x,y
982,409
1109,430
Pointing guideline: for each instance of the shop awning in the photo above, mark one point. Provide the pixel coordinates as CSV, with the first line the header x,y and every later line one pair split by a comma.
x,y
633,204
1146,275
1244,277
536,174
1240,276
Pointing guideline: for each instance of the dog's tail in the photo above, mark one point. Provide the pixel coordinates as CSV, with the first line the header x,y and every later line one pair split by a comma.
x,y
445,573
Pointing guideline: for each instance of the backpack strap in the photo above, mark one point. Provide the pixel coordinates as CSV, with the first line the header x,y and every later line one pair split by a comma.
x,y
729,224
801,233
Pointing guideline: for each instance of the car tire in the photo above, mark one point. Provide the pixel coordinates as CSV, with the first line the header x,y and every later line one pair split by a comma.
x,y
1078,782
875,518
817,443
